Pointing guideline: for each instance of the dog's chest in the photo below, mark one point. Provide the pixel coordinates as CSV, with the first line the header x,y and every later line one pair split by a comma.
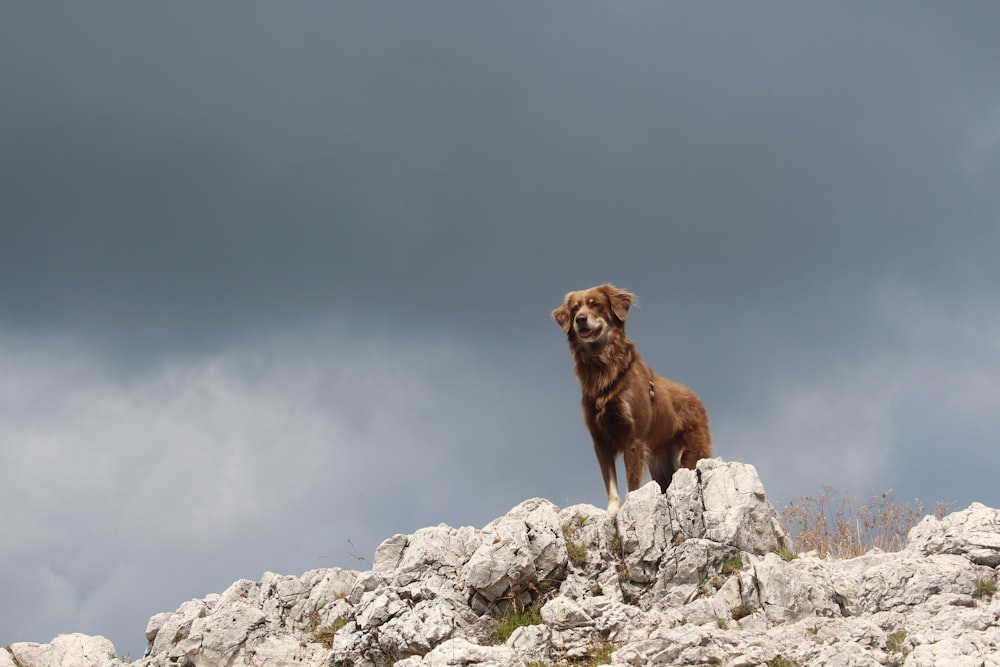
x,y
612,417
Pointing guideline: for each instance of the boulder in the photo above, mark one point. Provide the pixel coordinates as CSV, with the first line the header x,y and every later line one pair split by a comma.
x,y
735,510
74,649
973,533
463,653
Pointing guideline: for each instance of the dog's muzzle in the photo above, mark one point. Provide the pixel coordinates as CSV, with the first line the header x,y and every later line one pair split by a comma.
x,y
586,329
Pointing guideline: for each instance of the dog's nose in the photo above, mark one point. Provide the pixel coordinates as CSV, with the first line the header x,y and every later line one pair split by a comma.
x,y
581,319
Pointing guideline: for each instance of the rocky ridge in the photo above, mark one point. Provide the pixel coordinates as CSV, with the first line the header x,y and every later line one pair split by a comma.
x,y
695,576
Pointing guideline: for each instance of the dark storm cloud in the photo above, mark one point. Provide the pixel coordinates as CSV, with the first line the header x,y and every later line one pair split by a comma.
x,y
199,169
314,248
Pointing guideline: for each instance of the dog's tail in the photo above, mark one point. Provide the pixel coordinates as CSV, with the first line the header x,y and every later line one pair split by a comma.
x,y
661,468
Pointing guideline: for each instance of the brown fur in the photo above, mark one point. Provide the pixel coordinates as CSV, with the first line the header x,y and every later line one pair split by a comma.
x,y
630,410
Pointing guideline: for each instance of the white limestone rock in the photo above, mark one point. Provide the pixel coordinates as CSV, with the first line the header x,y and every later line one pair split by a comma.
x,y
688,577
735,509
532,643
517,552
76,650
562,613
644,531
463,653
973,532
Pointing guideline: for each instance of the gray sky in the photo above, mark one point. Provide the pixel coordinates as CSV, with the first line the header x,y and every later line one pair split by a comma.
x,y
276,279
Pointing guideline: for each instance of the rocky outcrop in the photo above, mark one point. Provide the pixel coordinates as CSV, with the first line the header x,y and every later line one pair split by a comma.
x,y
74,649
695,576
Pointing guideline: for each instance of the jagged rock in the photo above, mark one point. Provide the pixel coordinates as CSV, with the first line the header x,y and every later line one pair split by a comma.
x,y
788,593
689,577
517,552
285,651
72,649
165,631
645,533
563,613
594,550
735,511
973,533
463,652
441,551
897,583
532,642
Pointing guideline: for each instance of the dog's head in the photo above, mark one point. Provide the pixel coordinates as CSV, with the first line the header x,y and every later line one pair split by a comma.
x,y
590,316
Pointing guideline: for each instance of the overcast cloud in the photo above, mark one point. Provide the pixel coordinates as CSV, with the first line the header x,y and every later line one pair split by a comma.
x,y
276,278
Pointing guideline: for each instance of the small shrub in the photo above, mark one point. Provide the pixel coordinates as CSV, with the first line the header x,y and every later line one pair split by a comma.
x,y
985,588
722,623
600,654
844,529
616,543
324,634
895,642
732,564
545,586
709,585
740,611
577,552
780,661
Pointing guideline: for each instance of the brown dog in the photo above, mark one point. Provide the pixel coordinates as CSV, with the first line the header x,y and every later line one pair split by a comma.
x,y
628,408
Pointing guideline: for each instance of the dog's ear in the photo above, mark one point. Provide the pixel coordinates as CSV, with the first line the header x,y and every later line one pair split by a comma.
x,y
562,314
621,301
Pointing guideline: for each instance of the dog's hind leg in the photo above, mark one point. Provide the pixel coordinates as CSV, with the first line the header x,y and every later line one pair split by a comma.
x,y
635,464
610,474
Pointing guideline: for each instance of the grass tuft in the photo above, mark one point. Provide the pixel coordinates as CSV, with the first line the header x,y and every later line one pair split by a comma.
x,y
740,611
895,642
324,634
512,619
985,588
577,552
732,564
786,554
780,661
599,654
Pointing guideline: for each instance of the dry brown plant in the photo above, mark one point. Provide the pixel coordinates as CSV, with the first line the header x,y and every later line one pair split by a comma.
x,y
834,525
